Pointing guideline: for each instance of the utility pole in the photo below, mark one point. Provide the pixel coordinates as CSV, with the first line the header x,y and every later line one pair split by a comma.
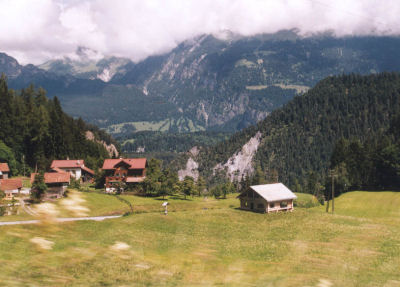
x,y
23,162
333,190
327,203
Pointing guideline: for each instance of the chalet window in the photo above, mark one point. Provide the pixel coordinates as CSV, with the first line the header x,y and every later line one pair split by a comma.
x,y
283,204
260,205
272,205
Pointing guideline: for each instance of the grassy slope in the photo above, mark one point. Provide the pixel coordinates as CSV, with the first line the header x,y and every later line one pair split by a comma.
x,y
195,246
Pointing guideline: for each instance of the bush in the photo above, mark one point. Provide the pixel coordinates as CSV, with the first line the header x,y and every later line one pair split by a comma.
x,y
39,188
216,191
2,210
75,184
305,200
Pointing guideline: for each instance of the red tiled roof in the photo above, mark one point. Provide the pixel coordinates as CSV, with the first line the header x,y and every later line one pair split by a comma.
x,y
53,177
134,163
69,163
56,169
4,167
73,163
56,177
134,179
109,163
88,170
10,184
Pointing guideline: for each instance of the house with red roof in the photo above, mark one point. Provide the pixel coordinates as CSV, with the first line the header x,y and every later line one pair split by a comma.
x,y
11,187
124,170
75,167
57,183
4,170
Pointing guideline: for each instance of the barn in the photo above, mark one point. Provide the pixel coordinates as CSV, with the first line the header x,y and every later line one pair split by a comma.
x,y
267,198
57,183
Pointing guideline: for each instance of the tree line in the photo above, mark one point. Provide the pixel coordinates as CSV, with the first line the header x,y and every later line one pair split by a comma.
x,y
34,130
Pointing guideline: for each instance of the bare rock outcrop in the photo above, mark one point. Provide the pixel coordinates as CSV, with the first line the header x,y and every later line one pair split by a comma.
x,y
190,170
111,149
241,163
192,167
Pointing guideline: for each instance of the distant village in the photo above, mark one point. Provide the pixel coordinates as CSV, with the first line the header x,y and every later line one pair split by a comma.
x,y
61,172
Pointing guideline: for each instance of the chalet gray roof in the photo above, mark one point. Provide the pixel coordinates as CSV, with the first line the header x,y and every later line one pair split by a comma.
x,y
273,192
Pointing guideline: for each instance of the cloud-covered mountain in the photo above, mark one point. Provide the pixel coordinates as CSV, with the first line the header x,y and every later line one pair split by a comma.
x,y
35,31
87,64
208,82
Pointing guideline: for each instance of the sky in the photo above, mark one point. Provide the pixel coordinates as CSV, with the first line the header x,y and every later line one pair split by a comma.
x,y
34,31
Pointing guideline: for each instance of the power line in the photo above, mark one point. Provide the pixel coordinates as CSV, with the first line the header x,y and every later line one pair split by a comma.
x,y
352,13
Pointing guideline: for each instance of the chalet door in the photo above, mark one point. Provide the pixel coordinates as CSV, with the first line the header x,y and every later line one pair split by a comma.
x,y
252,205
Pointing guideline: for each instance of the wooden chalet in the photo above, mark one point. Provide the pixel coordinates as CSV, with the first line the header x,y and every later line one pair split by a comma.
x,y
57,183
124,170
76,168
11,187
267,198
4,170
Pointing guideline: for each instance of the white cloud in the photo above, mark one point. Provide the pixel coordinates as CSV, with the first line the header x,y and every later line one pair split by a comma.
x,y
36,30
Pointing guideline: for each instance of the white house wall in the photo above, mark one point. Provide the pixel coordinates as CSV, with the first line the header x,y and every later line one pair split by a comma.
x,y
75,172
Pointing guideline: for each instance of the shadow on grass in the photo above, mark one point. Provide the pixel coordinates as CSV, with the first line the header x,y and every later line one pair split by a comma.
x,y
248,210
177,197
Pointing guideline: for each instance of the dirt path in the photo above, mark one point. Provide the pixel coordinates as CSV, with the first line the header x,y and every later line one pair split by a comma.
x,y
65,219
26,208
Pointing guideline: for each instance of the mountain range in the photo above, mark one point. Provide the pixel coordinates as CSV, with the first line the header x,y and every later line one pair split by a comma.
x,y
206,83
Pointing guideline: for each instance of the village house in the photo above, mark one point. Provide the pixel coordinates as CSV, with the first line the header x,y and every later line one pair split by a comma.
x,y
127,171
56,182
4,170
76,168
267,198
11,187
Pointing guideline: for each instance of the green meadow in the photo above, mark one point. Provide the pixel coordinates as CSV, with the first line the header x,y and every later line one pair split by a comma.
x,y
209,242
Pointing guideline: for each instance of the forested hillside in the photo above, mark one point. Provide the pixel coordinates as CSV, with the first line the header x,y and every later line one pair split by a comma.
x,y
300,137
370,164
147,141
34,130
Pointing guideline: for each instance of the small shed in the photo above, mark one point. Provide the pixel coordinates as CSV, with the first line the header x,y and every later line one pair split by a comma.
x,y
11,187
267,198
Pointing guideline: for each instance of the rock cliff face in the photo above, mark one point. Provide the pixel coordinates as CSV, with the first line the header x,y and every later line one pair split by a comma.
x,y
111,149
190,170
192,166
206,79
240,164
